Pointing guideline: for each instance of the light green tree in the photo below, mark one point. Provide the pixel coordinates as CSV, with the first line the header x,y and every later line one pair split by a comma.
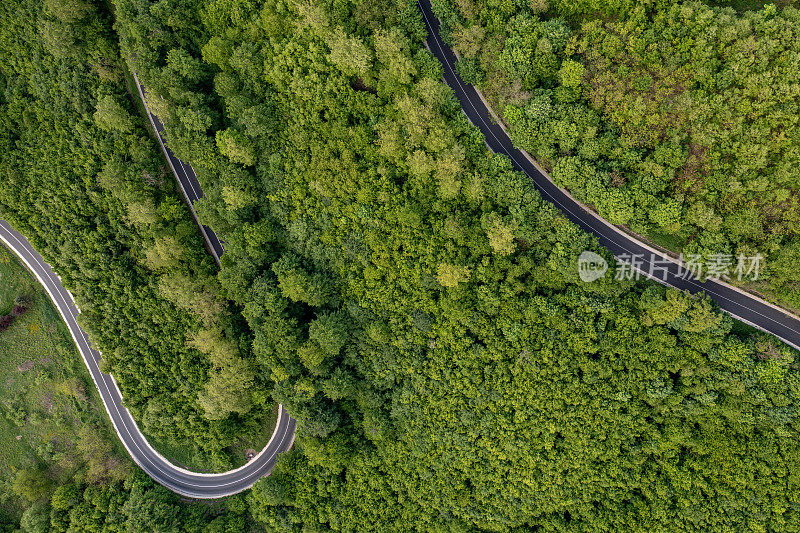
x,y
450,275
236,146
31,484
349,54
571,73
110,115
500,234
165,253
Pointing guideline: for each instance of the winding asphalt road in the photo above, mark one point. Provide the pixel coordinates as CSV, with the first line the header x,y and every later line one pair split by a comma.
x,y
184,482
654,264
177,479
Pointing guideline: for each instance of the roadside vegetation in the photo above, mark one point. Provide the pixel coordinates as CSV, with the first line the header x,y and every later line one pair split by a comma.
x,y
84,182
678,120
416,305
63,467
52,428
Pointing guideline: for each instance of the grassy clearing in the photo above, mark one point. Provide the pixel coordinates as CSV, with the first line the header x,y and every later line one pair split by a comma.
x,y
257,442
51,417
666,240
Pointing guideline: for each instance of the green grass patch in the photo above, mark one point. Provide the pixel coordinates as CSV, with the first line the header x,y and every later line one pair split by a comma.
x,y
670,241
51,416
187,457
255,442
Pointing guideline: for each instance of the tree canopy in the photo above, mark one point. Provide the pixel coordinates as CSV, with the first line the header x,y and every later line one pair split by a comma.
x,y
677,119
417,305
409,298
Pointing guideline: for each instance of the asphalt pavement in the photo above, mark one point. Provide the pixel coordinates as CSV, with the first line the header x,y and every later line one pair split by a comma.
x,y
655,264
187,180
184,482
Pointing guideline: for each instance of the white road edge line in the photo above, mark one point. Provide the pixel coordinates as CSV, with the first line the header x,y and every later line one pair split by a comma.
x,y
437,40
7,233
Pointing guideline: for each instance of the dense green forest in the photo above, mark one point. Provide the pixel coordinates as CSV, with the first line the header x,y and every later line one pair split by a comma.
x,y
135,505
415,304
84,182
407,296
677,119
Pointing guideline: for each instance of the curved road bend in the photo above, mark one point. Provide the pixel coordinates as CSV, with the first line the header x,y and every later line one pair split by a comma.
x,y
210,485
177,479
745,307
